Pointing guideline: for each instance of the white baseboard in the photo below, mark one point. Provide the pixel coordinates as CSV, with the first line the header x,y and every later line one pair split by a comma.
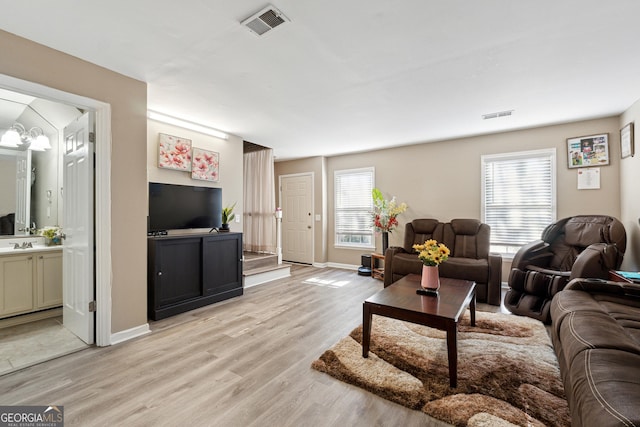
x,y
267,276
343,266
128,334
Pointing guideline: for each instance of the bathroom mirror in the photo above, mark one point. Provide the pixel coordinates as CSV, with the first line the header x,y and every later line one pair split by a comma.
x,y
35,194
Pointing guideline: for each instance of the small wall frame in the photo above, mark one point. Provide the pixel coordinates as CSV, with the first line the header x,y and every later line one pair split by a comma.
x,y
626,141
206,165
588,151
174,152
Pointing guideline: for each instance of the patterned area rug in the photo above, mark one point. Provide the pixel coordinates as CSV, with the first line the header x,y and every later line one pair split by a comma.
x,y
507,371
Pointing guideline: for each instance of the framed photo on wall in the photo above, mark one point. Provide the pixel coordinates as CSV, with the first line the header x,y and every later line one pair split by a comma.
x,y
588,151
626,141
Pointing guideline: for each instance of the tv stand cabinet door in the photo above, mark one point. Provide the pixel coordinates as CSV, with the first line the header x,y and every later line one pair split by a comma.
x,y
177,276
222,263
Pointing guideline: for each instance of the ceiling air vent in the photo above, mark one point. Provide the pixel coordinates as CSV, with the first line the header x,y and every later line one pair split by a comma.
x,y
498,114
265,20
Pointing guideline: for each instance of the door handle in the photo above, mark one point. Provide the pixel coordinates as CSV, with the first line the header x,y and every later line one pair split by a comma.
x,y
309,227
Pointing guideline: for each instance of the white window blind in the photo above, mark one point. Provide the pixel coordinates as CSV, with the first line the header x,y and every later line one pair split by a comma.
x,y
519,197
353,206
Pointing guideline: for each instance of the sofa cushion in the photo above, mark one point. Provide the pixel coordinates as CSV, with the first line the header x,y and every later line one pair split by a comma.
x,y
476,270
421,230
468,227
407,263
582,231
467,238
605,388
596,338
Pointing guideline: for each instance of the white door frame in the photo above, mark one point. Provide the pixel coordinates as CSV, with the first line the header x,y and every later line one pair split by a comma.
x,y
313,208
102,191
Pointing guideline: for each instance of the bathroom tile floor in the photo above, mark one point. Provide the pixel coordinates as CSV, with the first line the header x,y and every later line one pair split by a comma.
x,y
31,343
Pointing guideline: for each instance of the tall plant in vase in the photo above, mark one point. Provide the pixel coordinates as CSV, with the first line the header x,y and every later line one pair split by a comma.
x,y
385,215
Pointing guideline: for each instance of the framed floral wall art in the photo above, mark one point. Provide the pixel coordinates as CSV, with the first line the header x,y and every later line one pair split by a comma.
x,y
206,165
174,152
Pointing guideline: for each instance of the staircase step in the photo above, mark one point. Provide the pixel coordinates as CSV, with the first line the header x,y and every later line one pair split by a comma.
x,y
257,276
254,260
264,269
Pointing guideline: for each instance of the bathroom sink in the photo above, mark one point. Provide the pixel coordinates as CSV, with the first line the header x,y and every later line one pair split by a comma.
x,y
8,246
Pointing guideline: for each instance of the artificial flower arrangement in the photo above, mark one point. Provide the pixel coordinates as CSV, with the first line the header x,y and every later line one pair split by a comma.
x,y
53,234
432,253
385,212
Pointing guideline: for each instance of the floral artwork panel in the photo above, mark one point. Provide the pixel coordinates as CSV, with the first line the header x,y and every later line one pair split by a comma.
x,y
206,165
174,153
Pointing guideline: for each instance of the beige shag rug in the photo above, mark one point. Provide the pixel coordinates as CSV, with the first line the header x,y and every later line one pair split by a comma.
x,y
507,371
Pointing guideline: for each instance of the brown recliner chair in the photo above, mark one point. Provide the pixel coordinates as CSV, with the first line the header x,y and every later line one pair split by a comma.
x,y
584,246
468,241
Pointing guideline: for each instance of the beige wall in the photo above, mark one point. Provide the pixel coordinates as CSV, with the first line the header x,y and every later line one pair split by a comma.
x,y
231,164
630,200
32,62
442,179
317,166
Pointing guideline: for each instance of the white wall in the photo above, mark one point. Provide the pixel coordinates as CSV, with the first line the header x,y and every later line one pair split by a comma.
x,y
630,200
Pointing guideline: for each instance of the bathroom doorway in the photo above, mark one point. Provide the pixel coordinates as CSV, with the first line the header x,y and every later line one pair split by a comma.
x,y
53,324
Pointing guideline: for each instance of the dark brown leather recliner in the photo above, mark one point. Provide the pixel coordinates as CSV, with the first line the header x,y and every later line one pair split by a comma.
x,y
584,246
468,241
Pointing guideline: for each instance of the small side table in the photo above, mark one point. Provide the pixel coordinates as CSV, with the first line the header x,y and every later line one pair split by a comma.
x,y
615,277
377,266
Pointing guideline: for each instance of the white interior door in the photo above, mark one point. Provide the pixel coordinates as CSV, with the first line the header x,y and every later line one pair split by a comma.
x,y
77,273
23,192
297,218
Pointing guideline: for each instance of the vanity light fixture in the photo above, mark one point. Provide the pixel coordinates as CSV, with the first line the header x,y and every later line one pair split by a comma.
x,y
18,135
153,115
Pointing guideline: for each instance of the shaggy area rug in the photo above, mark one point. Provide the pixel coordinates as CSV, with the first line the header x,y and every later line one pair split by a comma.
x,y
507,371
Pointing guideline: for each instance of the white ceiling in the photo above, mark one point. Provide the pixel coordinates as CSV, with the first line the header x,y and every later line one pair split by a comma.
x,y
352,75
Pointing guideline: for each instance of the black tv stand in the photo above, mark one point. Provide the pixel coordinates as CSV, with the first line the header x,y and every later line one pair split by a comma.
x,y
190,271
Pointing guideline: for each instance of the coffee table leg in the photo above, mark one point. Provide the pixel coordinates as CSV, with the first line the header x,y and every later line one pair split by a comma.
x,y
472,309
366,329
452,353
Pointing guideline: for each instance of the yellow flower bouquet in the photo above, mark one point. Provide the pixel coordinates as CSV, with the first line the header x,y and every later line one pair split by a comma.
x,y
432,253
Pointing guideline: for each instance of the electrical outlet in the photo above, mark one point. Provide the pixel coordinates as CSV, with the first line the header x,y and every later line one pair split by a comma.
x,y
237,218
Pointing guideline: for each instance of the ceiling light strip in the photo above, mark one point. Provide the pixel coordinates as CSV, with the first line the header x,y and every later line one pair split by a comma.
x,y
154,115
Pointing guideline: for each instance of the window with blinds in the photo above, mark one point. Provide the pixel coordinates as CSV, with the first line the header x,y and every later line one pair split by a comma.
x,y
518,197
353,207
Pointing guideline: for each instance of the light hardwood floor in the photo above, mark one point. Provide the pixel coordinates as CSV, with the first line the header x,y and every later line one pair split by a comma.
x,y
244,362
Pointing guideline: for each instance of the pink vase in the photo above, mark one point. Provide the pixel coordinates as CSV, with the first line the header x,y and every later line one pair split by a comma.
x,y
430,278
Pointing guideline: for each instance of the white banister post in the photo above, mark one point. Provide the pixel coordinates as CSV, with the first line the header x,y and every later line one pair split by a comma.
x,y
278,216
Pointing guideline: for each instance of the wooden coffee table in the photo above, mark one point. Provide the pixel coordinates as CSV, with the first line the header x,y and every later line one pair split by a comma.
x,y
400,301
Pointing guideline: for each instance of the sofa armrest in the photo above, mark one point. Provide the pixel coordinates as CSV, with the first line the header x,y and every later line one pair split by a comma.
x,y
548,271
534,253
494,284
595,261
602,286
388,263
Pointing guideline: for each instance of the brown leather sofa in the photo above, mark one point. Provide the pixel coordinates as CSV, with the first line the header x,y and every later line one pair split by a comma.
x,y
596,335
468,241
581,246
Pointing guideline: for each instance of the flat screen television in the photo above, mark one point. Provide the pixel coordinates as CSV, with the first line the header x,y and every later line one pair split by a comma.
x,y
179,207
